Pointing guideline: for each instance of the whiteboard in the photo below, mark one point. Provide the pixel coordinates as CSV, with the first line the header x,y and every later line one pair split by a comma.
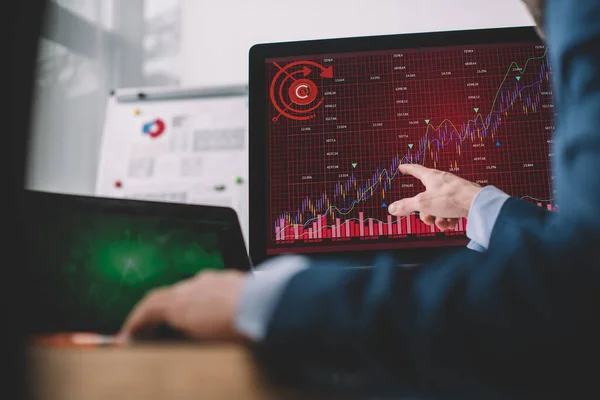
x,y
177,145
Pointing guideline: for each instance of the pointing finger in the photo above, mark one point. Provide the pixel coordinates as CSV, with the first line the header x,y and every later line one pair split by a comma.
x,y
418,171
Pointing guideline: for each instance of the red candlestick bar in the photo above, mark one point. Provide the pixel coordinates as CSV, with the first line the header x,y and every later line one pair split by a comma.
x,y
319,228
361,223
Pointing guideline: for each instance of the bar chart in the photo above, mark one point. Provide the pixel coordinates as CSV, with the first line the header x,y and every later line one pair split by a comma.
x,y
392,227
362,228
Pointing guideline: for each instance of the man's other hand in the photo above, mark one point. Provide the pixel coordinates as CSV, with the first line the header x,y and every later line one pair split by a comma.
x,y
202,307
447,197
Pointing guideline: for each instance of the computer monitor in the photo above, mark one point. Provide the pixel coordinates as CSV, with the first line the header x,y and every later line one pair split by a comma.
x,y
90,260
331,121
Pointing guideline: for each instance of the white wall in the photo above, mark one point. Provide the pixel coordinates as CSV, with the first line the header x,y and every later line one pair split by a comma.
x,y
216,35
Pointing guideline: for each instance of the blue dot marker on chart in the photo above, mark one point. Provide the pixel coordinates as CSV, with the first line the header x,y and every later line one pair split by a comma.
x,y
497,144
384,205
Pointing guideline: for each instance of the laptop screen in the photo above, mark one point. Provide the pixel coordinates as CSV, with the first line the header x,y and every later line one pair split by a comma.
x,y
340,124
92,260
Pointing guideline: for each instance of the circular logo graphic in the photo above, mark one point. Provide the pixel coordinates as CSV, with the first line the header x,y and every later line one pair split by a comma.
x,y
294,93
303,92
154,129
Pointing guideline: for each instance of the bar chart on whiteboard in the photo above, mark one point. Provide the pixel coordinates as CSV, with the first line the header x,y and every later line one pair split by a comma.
x,y
184,150
341,124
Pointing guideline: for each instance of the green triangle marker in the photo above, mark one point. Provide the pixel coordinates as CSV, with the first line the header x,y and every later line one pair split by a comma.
x,y
476,110
354,165
410,145
518,78
427,121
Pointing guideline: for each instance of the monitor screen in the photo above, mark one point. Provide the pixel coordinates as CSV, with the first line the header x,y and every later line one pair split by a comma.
x,y
339,125
92,260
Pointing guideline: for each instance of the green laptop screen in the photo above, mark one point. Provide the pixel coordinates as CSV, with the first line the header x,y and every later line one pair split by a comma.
x,y
92,266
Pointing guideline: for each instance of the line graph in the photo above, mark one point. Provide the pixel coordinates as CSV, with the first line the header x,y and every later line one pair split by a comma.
x,y
521,95
389,175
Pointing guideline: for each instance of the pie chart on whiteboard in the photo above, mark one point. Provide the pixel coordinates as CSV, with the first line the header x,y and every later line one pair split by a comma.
x,y
154,128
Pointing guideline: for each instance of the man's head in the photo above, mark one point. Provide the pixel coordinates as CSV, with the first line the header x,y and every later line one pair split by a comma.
x,y
536,8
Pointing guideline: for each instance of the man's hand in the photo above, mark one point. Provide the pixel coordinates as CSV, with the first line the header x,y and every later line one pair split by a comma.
x,y
202,307
446,198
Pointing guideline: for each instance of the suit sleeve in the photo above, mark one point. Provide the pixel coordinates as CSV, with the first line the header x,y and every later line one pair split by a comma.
x,y
519,318
261,291
487,207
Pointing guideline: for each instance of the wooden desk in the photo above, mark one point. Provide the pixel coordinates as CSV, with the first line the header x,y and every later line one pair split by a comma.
x,y
149,372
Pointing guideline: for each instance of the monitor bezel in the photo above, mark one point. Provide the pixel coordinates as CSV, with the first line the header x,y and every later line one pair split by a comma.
x,y
258,152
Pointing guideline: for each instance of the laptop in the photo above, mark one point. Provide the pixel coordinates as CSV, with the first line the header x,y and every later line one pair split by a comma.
x,y
90,260
331,120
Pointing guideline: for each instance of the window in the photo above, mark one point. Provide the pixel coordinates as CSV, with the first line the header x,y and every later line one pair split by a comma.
x,y
88,48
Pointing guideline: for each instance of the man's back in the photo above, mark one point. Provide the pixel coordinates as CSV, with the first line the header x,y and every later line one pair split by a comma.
x,y
519,318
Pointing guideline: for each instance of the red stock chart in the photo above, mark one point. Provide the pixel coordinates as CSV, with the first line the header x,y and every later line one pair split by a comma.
x,y
339,126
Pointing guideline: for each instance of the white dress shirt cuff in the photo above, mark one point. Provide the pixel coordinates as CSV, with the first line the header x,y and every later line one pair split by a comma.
x,y
483,215
473,245
262,291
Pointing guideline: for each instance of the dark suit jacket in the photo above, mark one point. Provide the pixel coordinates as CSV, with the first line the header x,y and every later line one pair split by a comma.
x,y
521,319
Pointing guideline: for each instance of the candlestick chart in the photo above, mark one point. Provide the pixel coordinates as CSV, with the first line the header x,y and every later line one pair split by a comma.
x,y
342,125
